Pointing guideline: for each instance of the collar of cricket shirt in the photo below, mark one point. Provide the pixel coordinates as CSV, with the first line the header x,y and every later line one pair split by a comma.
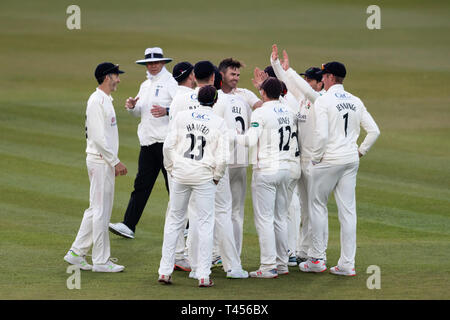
x,y
104,93
335,87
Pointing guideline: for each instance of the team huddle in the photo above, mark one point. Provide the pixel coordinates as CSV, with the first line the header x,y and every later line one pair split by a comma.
x,y
202,132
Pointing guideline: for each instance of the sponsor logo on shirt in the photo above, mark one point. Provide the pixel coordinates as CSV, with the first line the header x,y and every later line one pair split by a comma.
x,y
280,110
255,124
340,95
200,116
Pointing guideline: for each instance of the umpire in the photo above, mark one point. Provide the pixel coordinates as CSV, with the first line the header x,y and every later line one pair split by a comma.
x,y
152,106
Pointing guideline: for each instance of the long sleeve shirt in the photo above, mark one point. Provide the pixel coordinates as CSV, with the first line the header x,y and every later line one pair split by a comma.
x,y
339,116
270,134
156,90
306,96
102,135
239,103
196,148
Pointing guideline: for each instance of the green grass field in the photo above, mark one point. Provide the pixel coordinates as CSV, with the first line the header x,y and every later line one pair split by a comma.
x,y
401,72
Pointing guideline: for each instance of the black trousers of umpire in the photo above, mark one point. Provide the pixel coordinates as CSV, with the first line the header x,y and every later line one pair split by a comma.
x,y
150,163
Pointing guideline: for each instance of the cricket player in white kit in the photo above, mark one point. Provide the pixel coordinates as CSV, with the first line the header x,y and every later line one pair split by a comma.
x,y
195,155
240,102
103,164
223,230
270,133
334,165
306,91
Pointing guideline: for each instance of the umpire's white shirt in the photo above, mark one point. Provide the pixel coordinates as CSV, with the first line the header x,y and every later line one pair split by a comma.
x,y
102,135
156,90
339,116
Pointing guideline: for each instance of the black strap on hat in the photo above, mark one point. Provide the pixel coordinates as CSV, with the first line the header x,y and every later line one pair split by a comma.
x,y
153,55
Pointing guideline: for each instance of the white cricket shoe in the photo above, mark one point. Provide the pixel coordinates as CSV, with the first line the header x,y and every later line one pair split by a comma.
x,y
343,272
313,265
193,275
121,230
77,260
166,279
237,274
270,274
205,282
182,264
282,270
107,267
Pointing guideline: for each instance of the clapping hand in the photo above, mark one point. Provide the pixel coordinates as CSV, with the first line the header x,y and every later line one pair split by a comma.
x,y
258,77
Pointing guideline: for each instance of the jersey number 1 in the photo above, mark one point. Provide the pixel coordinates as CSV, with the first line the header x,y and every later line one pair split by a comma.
x,y
345,116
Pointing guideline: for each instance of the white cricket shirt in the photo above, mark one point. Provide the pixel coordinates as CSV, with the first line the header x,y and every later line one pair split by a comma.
x,y
269,137
102,135
196,147
240,102
339,116
156,90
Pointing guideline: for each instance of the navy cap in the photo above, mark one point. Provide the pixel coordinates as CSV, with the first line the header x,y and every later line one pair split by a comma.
x,y
335,68
106,68
313,73
182,70
203,69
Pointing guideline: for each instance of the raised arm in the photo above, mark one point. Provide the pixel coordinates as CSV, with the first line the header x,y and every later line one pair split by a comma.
x,y
294,82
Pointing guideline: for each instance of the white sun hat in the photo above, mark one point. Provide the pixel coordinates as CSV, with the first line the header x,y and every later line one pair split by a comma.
x,y
152,55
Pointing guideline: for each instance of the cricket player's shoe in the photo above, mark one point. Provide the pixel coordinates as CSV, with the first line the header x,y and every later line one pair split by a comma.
x,y
282,270
237,274
264,274
313,265
193,275
163,278
121,230
216,262
343,272
205,282
301,259
292,259
77,260
182,265
107,267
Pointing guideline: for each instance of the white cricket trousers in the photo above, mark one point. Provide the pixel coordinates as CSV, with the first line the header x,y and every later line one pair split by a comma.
x,y
238,186
94,226
341,179
293,215
181,251
203,220
223,229
270,205
304,238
